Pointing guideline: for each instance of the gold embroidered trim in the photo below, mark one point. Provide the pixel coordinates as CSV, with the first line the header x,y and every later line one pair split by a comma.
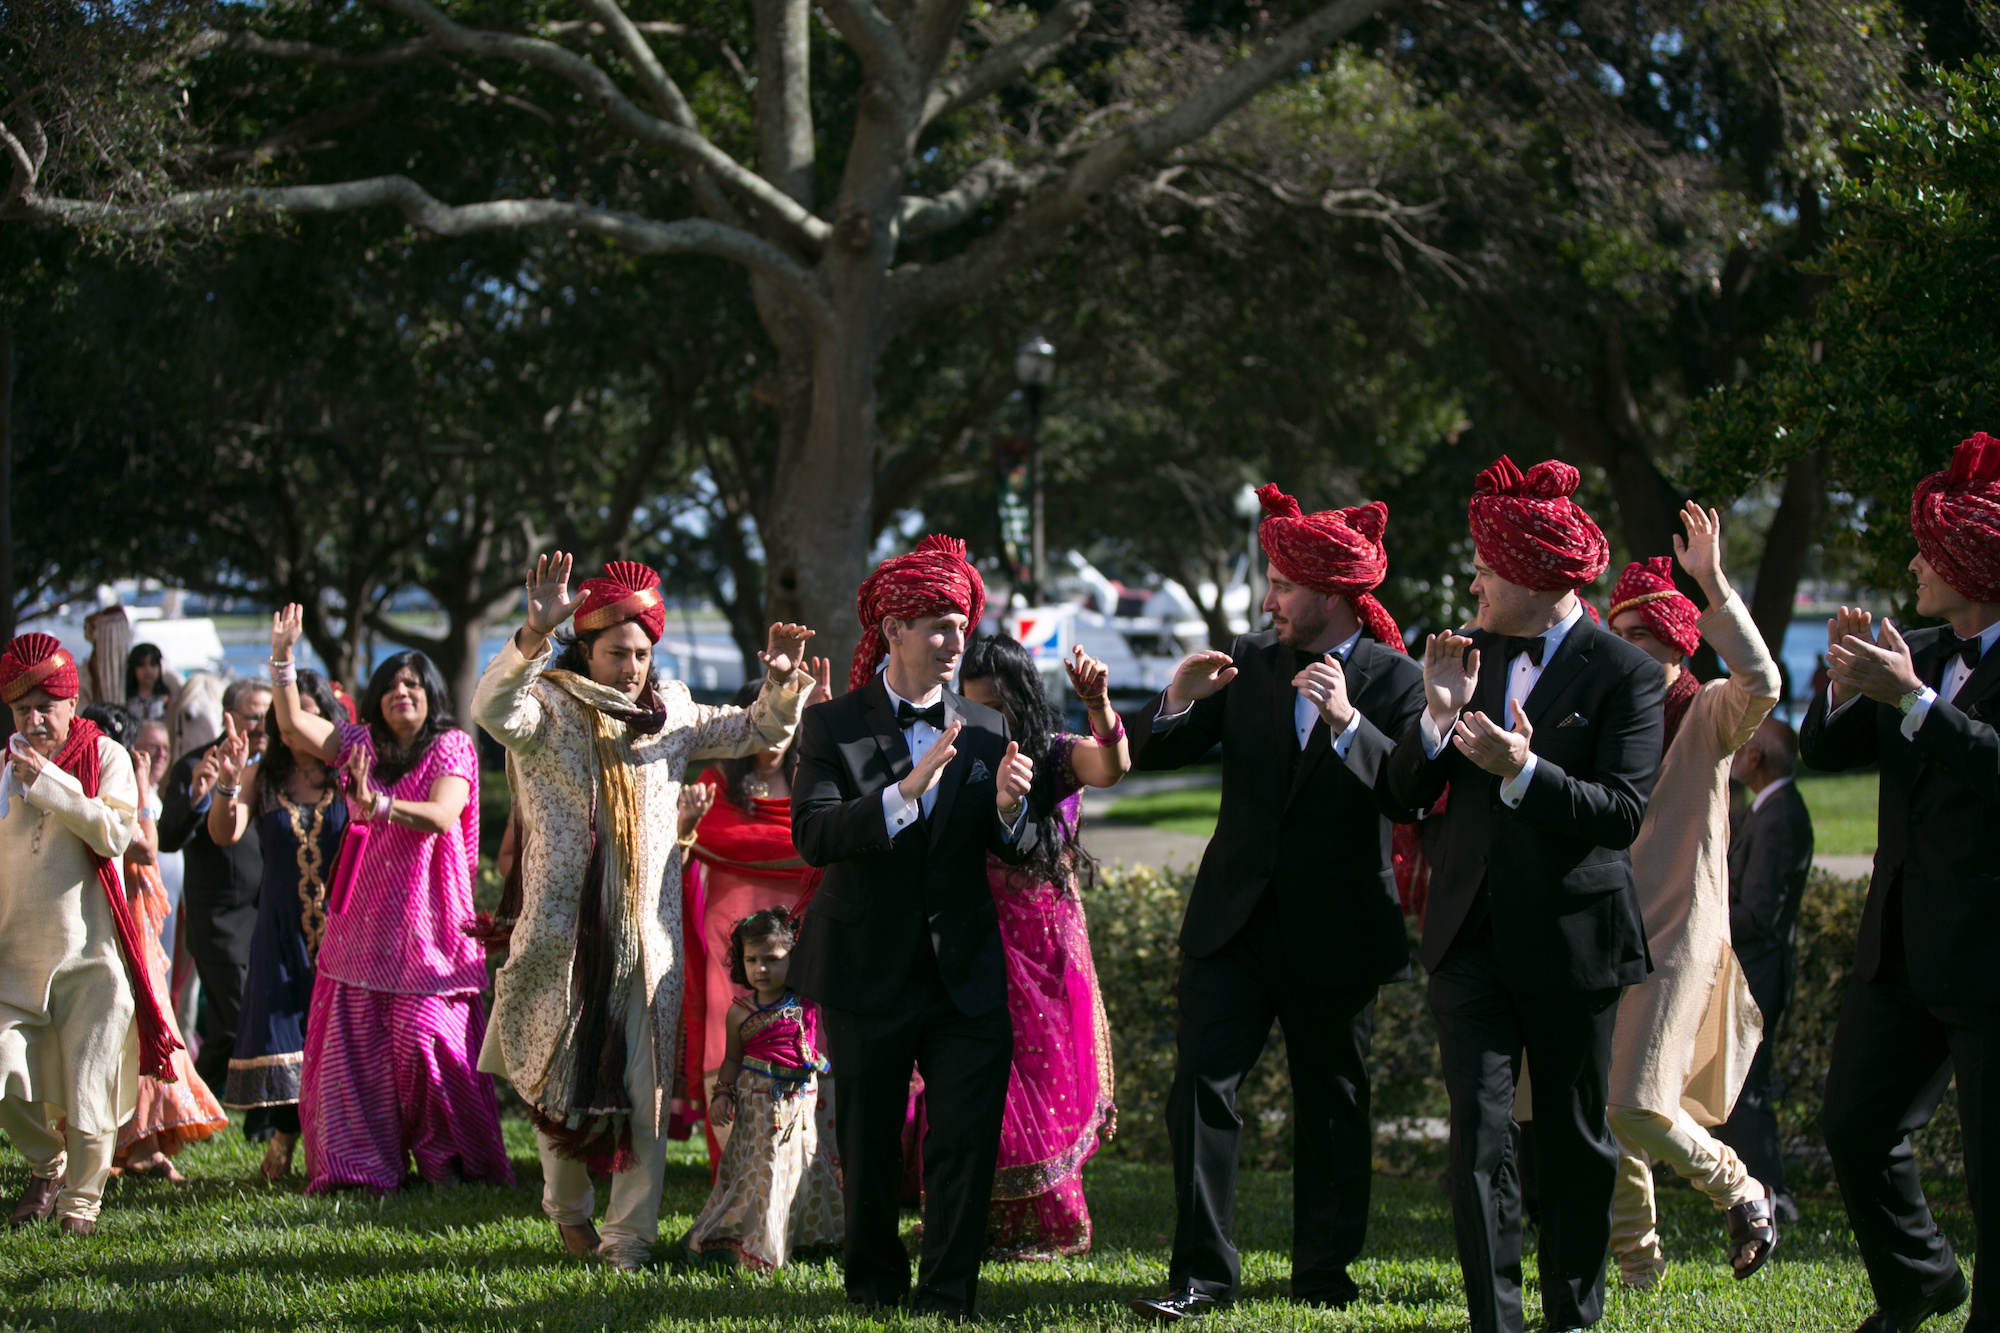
x,y
312,867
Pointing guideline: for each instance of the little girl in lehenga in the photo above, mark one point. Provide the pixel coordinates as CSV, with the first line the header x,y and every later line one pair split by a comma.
x,y
775,1190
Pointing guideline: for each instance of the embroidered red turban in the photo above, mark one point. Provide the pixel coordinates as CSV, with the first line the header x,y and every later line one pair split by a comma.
x,y
627,591
1956,516
1648,588
34,661
1333,551
935,579
1528,529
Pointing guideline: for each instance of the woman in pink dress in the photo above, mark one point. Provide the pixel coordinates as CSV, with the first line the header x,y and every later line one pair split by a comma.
x,y
393,1035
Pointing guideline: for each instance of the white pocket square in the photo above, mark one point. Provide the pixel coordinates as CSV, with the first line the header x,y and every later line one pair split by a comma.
x,y
1573,720
979,771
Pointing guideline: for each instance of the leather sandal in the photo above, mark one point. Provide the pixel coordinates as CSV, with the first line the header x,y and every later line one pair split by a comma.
x,y
580,1240
36,1204
78,1226
1753,1230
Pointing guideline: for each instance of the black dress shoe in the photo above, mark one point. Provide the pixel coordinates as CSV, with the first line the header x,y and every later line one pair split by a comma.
x,y
1176,1306
1948,1297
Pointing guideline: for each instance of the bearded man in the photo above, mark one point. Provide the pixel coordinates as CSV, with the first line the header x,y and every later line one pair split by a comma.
x,y
73,977
1923,1001
903,786
1294,916
1547,729
586,1011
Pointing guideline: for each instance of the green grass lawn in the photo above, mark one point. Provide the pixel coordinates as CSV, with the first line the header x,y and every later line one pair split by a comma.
x,y
1191,810
227,1251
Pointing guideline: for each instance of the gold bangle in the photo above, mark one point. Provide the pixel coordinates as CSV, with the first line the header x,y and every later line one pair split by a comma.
x,y
688,841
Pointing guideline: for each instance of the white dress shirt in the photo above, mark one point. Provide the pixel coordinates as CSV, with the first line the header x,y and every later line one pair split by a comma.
x,y
1305,713
899,812
1956,673
1522,674
1770,790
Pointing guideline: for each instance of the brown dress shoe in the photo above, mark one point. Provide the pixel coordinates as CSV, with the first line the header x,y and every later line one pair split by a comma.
x,y
78,1226
36,1203
580,1241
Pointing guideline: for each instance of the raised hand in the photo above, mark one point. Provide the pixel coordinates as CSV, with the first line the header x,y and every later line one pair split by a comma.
x,y
926,771
360,789
232,753
287,624
549,600
1881,670
1700,552
202,780
1847,622
1089,677
696,798
785,649
1450,676
27,763
1324,684
821,671
1016,775
1493,748
1198,676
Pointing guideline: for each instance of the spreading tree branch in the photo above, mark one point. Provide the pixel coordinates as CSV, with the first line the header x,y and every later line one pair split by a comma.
x,y
1007,61
986,182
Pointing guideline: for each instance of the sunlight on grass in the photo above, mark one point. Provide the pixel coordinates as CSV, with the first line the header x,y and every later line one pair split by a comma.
x,y
1190,810
1843,811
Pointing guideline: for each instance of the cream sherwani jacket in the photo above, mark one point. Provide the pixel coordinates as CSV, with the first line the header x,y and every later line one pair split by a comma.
x,y
549,735
1686,1034
67,1039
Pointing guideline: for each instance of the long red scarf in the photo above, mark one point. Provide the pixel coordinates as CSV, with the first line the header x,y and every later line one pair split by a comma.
x,y
157,1043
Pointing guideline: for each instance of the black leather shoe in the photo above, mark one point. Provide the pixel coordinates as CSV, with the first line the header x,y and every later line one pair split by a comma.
x,y
1176,1306
1948,1297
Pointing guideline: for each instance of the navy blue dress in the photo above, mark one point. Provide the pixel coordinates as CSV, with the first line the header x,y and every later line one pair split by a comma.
x,y
300,843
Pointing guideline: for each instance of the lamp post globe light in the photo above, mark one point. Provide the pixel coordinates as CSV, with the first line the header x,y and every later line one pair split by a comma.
x,y
1035,370
1250,510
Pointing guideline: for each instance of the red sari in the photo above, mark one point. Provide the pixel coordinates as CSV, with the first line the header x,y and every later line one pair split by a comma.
x,y
742,862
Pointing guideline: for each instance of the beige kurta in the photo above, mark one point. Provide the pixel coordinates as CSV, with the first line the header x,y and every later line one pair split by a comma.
x,y
67,1039
1686,1034
549,737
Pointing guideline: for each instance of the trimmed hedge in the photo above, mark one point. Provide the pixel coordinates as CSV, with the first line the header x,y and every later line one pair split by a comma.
x,y
1136,913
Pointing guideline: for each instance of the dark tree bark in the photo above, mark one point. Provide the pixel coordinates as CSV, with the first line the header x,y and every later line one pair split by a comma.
x,y
8,610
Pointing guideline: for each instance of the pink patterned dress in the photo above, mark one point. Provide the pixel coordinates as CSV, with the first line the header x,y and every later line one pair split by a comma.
x,y
392,1041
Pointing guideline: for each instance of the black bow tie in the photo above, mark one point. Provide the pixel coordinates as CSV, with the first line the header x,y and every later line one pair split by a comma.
x,y
907,717
1513,648
1966,650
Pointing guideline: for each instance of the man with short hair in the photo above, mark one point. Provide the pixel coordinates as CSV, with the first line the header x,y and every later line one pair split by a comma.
x,y
1547,729
903,786
219,884
1296,883
73,974
1770,855
1923,1001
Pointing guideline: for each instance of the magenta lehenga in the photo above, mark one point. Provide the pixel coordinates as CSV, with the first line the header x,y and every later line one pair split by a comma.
x,y
1059,1095
392,1041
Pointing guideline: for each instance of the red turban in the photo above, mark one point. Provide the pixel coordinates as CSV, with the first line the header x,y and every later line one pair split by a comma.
x,y
1648,587
935,579
1333,551
1956,516
1530,531
36,660
627,591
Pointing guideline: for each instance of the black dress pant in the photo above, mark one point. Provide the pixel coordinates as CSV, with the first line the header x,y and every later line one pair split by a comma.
x,y
1227,1004
1893,1056
1752,1127
218,940
965,1062
1483,1029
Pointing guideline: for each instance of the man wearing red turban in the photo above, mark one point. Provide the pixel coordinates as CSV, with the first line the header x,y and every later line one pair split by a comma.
x,y
1696,998
599,747
1547,728
1925,997
78,1018
903,787
1297,882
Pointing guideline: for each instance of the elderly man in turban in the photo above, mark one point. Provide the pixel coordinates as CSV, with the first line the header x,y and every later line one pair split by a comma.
x,y
586,1011
1297,883
902,788
78,1018
1923,1001
1686,1034
1548,730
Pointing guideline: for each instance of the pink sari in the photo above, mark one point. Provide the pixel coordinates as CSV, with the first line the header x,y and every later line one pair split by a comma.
x,y
1059,1093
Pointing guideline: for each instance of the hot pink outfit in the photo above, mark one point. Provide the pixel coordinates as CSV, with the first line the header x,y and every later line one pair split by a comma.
x,y
393,1036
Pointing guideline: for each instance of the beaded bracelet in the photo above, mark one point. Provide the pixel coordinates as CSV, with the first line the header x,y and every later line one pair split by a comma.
x,y
285,672
226,791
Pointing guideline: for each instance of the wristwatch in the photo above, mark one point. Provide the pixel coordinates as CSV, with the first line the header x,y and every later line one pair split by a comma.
x,y
1909,701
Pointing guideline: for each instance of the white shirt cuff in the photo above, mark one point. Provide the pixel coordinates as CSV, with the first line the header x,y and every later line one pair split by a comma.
x,y
898,813
1345,740
1515,788
1913,721
1433,739
1020,818
1164,716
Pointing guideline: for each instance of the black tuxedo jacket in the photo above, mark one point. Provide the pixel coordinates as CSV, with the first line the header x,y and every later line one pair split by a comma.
x,y
881,898
1303,823
220,878
1938,826
1770,853
1556,871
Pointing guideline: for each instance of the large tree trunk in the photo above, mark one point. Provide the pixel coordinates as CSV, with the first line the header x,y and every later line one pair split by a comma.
x,y
1794,530
7,608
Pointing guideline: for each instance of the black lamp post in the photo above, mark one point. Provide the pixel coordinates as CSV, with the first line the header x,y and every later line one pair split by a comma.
x,y
1035,369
